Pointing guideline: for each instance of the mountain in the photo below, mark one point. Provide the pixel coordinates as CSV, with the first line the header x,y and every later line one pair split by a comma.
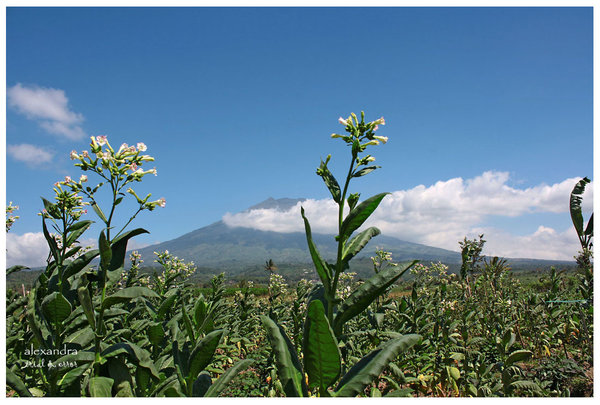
x,y
242,252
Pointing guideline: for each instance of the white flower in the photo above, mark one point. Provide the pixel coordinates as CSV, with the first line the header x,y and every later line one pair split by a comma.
x,y
382,139
342,121
83,178
141,147
74,155
101,139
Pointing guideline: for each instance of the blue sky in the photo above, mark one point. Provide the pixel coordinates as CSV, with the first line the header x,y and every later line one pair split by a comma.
x,y
237,105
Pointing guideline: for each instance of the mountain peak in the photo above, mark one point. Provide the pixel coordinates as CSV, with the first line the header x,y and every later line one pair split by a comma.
x,y
280,204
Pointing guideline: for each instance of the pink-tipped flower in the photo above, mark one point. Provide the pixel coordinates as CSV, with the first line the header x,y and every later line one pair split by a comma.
x,y
74,155
380,121
376,128
68,179
57,184
123,148
162,202
85,154
101,139
133,167
141,147
342,121
83,178
382,139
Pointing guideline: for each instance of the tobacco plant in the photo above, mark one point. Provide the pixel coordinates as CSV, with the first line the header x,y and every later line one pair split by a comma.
x,y
326,312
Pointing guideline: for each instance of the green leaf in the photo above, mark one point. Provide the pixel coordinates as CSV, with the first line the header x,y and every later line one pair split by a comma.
x,y
105,252
14,269
371,366
575,205
127,294
453,372
118,371
187,323
56,308
100,386
519,355
366,293
99,212
508,340
52,209
14,382
358,243
165,306
525,385
288,366
203,353
359,215
365,170
119,247
202,384
155,332
330,181
322,360
71,376
320,264
76,265
86,303
136,354
77,229
223,381
51,241
589,229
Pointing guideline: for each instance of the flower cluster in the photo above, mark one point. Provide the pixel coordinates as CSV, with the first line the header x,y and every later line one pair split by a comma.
x,y
360,132
381,260
120,167
173,268
10,219
346,285
68,200
277,286
127,279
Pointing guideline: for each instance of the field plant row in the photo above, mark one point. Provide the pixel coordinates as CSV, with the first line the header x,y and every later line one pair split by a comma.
x,y
92,326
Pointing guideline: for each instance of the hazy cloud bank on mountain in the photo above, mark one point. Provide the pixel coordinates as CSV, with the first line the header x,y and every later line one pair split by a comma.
x,y
442,214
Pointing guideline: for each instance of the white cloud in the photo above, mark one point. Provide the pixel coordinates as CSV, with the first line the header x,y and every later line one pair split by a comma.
x,y
30,154
29,249
442,214
49,107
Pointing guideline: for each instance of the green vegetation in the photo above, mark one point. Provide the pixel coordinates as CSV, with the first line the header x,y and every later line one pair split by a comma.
x,y
88,325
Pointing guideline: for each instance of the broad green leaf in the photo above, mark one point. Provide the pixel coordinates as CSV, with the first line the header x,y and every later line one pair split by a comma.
x,y
223,381
100,386
453,372
371,366
525,385
99,212
105,252
330,181
81,337
286,360
86,303
203,353
14,382
118,371
365,170
589,229
575,205
137,355
165,306
119,247
358,243
76,265
76,230
14,269
71,376
201,385
52,209
320,264
322,360
56,308
516,356
188,323
359,215
508,340
126,295
51,241
366,293
156,333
